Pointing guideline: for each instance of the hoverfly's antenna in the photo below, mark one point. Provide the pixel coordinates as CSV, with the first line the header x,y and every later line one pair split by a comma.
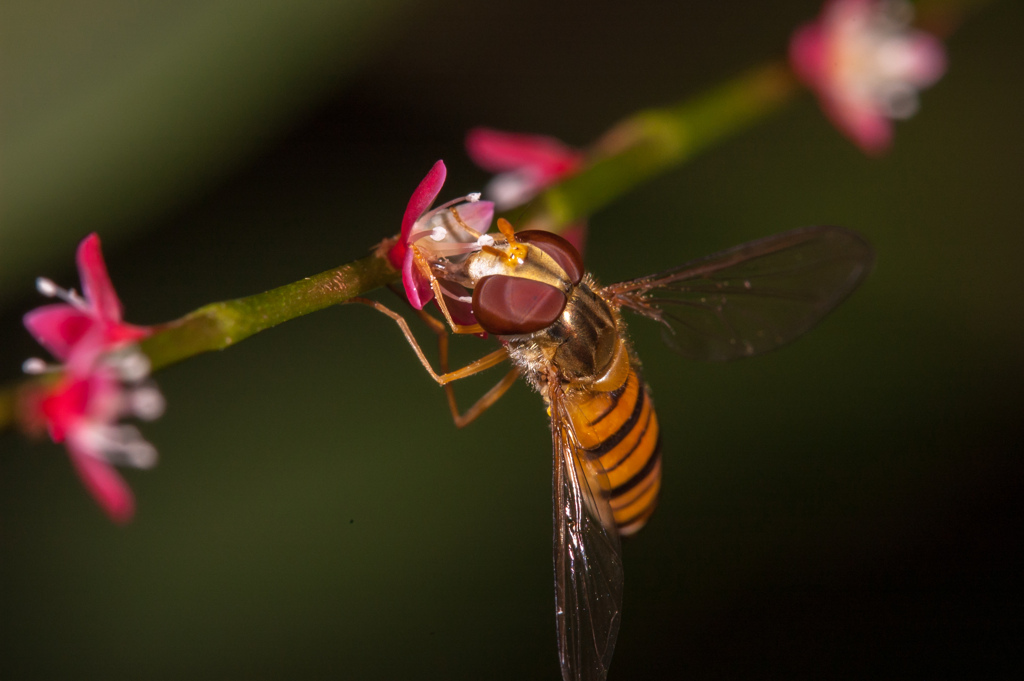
x,y
516,253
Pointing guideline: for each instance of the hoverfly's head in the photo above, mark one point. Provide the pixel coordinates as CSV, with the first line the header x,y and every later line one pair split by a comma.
x,y
505,283
521,282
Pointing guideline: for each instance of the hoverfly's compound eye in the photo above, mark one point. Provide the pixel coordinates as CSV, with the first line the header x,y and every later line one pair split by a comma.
x,y
510,306
560,250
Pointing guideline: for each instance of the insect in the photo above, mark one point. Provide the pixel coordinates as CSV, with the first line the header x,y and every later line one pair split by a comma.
x,y
565,334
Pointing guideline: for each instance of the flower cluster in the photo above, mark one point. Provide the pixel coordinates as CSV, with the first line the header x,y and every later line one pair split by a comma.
x,y
866,65
100,381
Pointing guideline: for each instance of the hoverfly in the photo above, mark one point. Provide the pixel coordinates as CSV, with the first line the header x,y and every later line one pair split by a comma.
x,y
564,333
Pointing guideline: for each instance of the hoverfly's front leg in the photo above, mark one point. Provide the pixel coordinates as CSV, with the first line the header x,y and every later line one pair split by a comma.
x,y
446,377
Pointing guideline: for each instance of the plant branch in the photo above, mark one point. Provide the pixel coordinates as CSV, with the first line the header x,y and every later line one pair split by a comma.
x,y
652,141
220,325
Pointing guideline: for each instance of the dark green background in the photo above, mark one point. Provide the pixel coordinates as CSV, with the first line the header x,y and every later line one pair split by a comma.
x,y
847,507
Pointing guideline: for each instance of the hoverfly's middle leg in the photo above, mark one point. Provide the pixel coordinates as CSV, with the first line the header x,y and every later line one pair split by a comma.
x,y
445,378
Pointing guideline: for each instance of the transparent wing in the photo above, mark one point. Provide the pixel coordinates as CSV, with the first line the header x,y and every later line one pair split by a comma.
x,y
751,298
588,561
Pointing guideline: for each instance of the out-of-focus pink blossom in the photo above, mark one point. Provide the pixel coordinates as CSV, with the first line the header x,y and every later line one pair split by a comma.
x,y
82,328
450,230
82,412
866,65
526,165
100,382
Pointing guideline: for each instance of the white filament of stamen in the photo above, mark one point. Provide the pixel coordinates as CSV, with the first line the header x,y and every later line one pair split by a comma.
x,y
147,403
121,445
449,249
46,287
461,299
35,366
454,202
132,366
51,290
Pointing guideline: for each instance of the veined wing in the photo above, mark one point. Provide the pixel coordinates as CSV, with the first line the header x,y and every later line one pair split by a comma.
x,y
751,298
587,554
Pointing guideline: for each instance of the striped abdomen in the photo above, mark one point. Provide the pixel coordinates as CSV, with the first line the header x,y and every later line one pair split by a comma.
x,y
620,430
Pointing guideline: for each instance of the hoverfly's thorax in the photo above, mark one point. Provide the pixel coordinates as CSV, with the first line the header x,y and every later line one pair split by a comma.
x,y
585,343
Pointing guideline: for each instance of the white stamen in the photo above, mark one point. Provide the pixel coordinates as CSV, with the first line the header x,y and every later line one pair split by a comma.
x,y
35,366
899,101
438,233
147,403
449,249
131,366
468,198
485,240
461,299
120,445
141,454
51,290
46,287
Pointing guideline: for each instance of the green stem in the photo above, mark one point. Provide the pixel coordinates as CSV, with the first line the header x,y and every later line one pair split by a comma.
x,y
652,141
220,325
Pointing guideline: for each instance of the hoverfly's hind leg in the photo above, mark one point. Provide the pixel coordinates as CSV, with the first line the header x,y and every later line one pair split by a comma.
x,y
446,377
485,401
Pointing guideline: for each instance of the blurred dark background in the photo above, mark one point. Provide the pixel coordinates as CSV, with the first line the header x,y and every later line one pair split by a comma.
x,y
847,507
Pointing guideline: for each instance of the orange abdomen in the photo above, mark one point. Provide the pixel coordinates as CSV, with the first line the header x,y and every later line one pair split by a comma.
x,y
619,430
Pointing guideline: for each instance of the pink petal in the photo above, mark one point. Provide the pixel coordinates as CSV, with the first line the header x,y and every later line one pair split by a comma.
x,y
77,400
96,286
927,60
867,127
515,187
807,54
844,12
417,288
499,151
64,407
422,198
478,215
576,234
103,483
58,327
81,359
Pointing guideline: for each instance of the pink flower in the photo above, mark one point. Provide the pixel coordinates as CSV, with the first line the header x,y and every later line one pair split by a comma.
x,y
82,413
101,381
450,230
526,165
866,66
80,329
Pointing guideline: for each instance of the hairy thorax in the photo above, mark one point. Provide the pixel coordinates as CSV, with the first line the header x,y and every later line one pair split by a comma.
x,y
583,349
